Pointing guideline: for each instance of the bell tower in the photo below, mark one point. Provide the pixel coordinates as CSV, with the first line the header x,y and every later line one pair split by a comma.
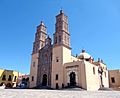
x,y
61,35
40,37
61,50
38,44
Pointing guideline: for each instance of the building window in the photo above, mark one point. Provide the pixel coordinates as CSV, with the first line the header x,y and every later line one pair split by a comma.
x,y
57,60
59,39
33,64
55,40
56,76
68,41
4,77
113,79
9,78
32,78
93,70
105,74
51,56
65,38
15,78
87,59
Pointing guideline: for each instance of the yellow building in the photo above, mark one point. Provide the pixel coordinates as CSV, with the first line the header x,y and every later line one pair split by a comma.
x,y
8,77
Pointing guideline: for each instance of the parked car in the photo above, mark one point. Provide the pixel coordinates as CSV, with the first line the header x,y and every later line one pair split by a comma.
x,y
21,86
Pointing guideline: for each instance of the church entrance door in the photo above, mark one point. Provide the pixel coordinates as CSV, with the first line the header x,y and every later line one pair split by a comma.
x,y
72,79
44,80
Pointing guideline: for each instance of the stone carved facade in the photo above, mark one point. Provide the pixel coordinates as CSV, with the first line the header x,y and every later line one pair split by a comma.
x,y
45,63
52,65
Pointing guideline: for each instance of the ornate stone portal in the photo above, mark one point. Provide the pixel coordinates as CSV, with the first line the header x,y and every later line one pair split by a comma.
x,y
72,75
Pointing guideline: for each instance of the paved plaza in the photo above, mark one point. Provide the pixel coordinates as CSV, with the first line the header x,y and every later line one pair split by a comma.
x,y
31,93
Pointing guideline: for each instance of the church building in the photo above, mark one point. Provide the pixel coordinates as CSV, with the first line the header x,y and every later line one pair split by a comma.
x,y
53,65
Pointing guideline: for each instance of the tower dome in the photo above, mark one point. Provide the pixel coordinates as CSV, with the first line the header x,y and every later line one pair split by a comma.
x,y
84,55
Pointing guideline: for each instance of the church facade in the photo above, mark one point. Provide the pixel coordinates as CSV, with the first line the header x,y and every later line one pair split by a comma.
x,y
52,65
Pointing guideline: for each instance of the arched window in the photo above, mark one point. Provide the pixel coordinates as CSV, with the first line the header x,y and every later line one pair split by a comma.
x,y
33,64
59,39
4,77
56,77
105,74
57,59
55,40
10,78
93,70
32,78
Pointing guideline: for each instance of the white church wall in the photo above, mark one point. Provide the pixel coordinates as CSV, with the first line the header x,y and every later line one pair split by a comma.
x,y
66,55
91,78
82,80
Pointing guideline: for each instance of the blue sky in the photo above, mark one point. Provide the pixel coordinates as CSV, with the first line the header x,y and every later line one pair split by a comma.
x,y
93,24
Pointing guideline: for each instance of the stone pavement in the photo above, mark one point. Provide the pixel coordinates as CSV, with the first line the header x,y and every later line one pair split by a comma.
x,y
32,93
